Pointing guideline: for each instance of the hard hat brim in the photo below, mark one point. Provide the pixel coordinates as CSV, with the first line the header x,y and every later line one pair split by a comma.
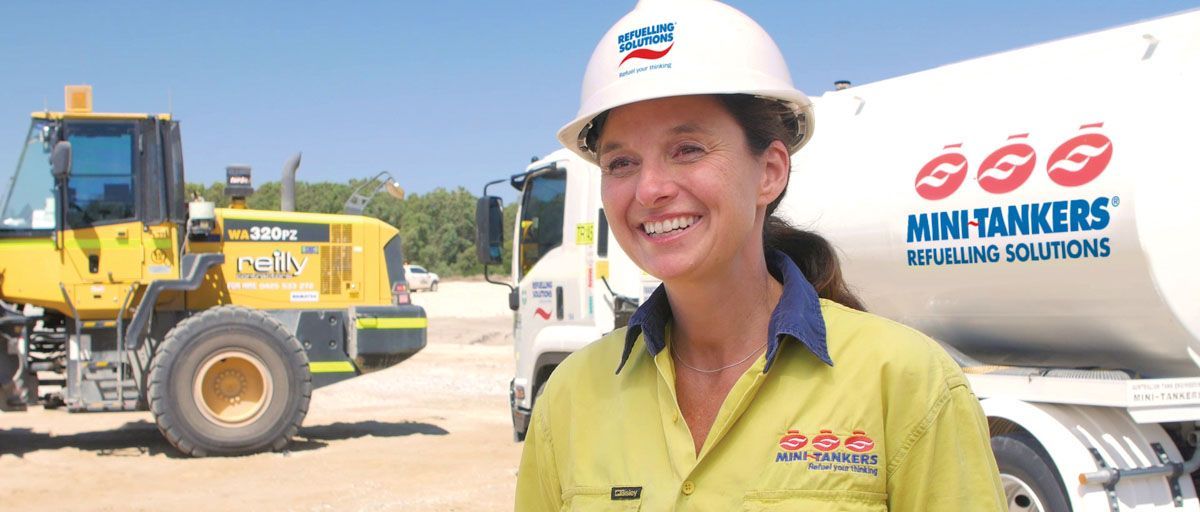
x,y
572,135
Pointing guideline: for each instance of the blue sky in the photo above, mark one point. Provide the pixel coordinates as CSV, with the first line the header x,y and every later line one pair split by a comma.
x,y
440,94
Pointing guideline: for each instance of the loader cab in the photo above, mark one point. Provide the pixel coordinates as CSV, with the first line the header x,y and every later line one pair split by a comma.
x,y
124,168
93,218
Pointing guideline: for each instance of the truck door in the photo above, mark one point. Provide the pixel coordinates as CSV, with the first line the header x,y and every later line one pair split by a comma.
x,y
541,275
102,237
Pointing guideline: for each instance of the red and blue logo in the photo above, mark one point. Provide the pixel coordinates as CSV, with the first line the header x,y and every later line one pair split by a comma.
x,y
635,43
829,452
963,236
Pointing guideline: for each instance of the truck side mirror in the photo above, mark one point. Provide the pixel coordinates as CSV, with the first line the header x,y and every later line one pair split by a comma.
x,y
60,160
489,230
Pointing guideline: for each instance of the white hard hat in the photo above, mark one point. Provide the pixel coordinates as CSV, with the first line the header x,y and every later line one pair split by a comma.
x,y
665,48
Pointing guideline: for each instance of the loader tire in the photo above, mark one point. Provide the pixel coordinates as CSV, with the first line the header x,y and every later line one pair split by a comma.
x,y
1028,476
229,381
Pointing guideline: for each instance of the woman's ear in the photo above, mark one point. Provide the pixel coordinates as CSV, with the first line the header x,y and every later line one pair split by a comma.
x,y
777,165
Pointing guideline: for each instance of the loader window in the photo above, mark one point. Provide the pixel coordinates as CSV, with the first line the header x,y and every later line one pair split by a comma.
x,y
101,184
29,199
541,227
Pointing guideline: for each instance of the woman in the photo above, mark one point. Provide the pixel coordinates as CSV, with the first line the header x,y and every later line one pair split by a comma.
x,y
750,380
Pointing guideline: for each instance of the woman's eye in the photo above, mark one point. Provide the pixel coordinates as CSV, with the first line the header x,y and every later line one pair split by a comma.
x,y
618,166
689,152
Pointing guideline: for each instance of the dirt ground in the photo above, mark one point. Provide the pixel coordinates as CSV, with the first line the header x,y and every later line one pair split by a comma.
x,y
431,434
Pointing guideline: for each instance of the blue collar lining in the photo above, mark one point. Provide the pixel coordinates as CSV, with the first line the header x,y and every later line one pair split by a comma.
x,y
798,316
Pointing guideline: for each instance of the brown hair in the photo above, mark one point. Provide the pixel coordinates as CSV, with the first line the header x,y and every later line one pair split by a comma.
x,y
763,122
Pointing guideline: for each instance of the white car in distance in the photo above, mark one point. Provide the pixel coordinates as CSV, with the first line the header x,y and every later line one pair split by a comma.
x,y
420,279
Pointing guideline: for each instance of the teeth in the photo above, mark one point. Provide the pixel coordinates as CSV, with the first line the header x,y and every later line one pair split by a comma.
x,y
661,227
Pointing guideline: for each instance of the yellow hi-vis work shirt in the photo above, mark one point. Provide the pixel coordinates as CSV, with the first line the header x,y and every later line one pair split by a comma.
x,y
891,426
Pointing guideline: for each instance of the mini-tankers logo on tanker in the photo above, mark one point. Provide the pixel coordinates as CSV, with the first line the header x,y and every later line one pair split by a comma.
x,y
279,265
1081,159
1008,167
1075,162
829,452
942,175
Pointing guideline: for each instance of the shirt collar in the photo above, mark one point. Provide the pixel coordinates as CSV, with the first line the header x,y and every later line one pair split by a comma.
x,y
798,315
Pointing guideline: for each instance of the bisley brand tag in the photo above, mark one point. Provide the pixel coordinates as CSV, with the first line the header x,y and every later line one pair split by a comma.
x,y
626,493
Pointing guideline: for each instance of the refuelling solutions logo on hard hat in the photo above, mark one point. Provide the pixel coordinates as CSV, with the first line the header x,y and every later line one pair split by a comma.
x,y
652,42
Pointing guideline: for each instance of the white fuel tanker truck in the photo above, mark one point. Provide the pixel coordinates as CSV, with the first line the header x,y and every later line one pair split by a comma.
x,y
1036,211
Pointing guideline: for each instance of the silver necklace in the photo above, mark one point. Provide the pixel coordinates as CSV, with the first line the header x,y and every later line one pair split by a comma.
x,y
726,367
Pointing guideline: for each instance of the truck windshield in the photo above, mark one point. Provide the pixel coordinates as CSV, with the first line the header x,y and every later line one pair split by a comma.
x,y
29,200
541,216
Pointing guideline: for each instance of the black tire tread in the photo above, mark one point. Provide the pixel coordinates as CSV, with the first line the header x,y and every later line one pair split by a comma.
x,y
1022,452
194,325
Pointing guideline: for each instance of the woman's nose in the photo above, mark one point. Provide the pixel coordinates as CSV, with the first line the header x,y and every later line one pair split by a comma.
x,y
656,185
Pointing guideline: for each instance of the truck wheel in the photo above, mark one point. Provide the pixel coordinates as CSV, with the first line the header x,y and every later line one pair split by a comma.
x,y
433,286
1030,482
229,381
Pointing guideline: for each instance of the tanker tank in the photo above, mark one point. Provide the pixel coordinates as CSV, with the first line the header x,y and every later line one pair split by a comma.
x,y
1037,207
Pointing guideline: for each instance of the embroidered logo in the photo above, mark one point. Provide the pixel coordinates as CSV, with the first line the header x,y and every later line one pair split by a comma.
x,y
859,442
829,452
827,441
793,441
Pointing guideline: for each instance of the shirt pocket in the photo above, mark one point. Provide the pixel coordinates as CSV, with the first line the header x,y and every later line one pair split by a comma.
x,y
597,499
823,500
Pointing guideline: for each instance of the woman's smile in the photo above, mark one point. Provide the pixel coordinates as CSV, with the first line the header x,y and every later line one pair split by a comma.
x,y
670,228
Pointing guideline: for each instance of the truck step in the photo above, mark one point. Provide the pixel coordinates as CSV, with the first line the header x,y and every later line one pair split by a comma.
x,y
111,385
112,405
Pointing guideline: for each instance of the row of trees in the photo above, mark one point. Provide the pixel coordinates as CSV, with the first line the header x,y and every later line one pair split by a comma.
x,y
437,228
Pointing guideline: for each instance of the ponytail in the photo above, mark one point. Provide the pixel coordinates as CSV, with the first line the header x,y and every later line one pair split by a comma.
x,y
763,122
815,257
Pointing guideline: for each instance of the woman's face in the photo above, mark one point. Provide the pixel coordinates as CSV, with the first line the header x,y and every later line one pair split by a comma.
x,y
682,191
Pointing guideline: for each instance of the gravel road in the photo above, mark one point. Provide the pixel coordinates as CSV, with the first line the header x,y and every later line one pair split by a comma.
x,y
430,434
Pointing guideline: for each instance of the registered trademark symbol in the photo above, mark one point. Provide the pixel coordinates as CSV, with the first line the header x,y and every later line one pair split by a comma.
x,y
1116,201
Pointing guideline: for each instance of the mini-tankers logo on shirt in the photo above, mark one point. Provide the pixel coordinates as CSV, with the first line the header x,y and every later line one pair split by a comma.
x,y
829,452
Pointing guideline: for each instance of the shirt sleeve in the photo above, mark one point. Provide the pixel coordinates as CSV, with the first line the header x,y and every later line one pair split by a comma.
x,y
949,466
538,488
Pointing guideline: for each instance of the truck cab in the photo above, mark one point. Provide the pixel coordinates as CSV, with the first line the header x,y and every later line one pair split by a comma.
x,y
571,282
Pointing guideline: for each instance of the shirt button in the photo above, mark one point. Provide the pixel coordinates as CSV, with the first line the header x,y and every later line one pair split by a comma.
x,y
689,487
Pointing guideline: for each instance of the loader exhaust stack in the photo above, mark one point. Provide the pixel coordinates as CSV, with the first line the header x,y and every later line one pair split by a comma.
x,y
287,189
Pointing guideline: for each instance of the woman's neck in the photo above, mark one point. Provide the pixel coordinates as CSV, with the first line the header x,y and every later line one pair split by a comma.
x,y
718,319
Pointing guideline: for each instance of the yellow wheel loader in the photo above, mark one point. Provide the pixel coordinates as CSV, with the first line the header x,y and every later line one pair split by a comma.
x,y
118,294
